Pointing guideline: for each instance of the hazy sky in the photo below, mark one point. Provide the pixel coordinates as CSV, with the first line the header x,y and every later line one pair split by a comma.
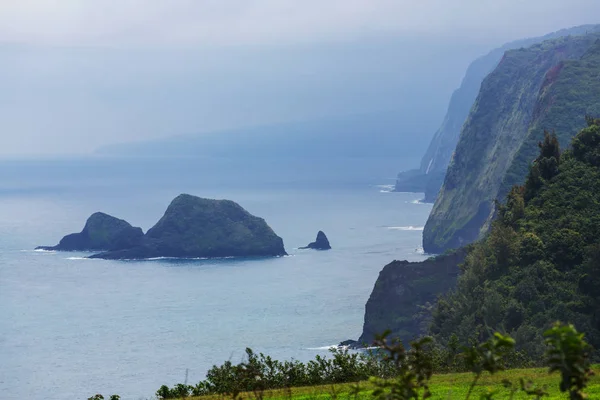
x,y
217,22
79,74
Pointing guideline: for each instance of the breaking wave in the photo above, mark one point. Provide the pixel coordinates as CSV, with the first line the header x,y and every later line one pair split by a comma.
x,y
385,188
405,228
333,346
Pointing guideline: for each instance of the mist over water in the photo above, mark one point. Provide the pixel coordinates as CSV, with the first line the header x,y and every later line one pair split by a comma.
x,y
73,327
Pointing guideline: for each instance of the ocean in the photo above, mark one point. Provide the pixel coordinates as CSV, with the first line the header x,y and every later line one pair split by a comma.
x,y
72,327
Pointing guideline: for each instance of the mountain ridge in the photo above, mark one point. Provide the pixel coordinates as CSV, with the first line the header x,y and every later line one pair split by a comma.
x,y
429,177
497,126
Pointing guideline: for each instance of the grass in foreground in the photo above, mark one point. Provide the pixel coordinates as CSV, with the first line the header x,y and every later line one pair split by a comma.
x,y
443,386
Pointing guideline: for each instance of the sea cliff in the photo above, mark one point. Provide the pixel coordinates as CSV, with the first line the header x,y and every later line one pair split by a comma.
x,y
429,177
404,292
512,109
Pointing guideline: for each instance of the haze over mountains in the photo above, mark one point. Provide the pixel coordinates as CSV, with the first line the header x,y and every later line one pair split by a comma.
x,y
370,135
429,177
548,86
79,76
75,100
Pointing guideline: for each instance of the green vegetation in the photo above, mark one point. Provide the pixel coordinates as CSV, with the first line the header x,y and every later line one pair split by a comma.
x,y
397,372
451,386
548,85
569,92
261,372
541,260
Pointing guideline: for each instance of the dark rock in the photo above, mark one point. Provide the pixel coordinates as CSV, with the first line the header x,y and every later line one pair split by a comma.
x,y
193,227
403,292
352,344
321,243
411,181
102,232
416,181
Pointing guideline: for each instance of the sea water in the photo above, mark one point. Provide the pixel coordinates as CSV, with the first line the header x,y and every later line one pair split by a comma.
x,y
71,327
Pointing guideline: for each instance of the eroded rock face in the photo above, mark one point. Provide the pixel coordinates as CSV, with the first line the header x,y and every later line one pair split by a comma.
x,y
194,227
321,243
429,177
528,92
404,291
102,232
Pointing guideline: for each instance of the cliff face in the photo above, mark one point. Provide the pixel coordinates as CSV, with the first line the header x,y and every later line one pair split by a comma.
x,y
430,175
515,99
570,91
437,157
404,291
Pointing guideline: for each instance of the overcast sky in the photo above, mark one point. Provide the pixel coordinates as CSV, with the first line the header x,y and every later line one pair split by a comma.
x,y
79,74
217,22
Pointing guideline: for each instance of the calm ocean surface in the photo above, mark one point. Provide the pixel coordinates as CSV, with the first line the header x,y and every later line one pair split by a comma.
x,y
71,327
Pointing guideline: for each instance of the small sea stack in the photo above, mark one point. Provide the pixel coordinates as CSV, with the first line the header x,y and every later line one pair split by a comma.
x,y
321,243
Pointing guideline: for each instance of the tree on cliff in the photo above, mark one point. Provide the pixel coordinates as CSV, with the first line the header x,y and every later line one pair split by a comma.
x,y
540,261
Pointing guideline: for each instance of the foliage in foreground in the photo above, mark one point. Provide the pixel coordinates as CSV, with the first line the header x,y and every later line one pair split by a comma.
x,y
401,373
260,372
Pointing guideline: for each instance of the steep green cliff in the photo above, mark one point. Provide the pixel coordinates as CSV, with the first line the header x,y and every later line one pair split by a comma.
x,y
519,96
430,175
571,90
541,261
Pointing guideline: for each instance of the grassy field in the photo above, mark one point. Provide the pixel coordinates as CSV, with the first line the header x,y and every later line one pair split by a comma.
x,y
447,386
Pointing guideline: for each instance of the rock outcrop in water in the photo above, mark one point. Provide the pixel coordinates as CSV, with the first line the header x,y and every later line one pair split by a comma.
x,y
102,232
402,294
194,227
321,243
